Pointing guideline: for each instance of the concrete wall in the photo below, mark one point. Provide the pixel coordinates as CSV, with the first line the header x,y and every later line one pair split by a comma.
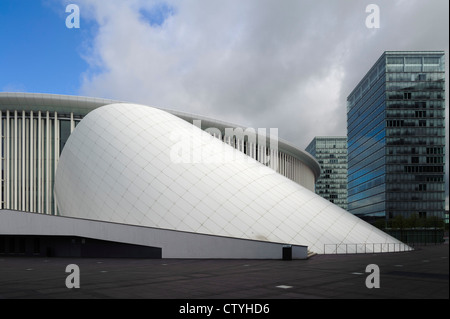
x,y
174,244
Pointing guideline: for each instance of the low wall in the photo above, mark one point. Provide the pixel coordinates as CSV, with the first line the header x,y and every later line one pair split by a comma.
x,y
174,244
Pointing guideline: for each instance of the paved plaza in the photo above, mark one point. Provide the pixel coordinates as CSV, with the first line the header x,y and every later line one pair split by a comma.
x,y
419,274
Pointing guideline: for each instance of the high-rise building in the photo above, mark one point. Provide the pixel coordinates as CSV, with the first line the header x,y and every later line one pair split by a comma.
x,y
396,137
331,153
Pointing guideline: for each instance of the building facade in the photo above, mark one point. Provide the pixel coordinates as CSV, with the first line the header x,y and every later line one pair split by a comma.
x,y
331,153
396,137
35,127
97,172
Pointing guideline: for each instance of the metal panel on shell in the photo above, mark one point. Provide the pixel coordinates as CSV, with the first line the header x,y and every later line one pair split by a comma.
x,y
139,165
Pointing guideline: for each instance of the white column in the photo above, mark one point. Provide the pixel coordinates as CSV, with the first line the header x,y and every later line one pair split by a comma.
x,y
72,123
262,154
7,162
56,156
39,208
47,163
288,167
14,187
272,160
31,177
23,159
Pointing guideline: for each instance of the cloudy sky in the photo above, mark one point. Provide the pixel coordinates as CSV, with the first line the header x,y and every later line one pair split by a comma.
x,y
286,64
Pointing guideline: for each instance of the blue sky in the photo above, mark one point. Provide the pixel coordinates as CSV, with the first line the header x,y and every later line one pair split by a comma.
x,y
248,62
39,53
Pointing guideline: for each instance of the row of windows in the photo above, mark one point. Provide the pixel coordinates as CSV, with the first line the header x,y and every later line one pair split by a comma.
x,y
417,141
334,154
421,214
402,159
339,186
402,177
435,160
415,187
333,163
331,144
413,68
402,76
415,86
435,150
415,123
411,113
339,193
333,176
409,205
434,104
415,196
337,196
334,170
415,95
422,169
378,204
400,150
411,60
420,131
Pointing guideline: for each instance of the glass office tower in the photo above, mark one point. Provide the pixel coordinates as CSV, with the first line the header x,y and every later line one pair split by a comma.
x,y
331,153
396,137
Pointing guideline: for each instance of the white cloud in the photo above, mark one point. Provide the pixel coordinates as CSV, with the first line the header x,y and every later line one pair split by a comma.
x,y
261,63
287,64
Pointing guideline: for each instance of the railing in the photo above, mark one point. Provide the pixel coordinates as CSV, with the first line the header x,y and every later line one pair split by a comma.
x,y
365,248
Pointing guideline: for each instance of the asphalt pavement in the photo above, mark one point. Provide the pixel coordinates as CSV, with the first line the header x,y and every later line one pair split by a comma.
x,y
419,274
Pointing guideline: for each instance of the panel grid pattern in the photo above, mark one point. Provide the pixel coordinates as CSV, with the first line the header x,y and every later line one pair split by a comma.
x,y
118,166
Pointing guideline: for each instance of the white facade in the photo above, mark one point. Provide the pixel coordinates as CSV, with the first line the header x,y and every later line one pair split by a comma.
x,y
138,165
34,128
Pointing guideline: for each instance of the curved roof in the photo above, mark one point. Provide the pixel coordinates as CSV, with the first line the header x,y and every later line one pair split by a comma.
x,y
81,106
124,164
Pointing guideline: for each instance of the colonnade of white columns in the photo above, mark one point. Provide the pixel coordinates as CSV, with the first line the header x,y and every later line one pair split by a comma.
x,y
30,151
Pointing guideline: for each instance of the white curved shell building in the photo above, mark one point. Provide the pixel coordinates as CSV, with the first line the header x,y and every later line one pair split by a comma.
x,y
141,175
